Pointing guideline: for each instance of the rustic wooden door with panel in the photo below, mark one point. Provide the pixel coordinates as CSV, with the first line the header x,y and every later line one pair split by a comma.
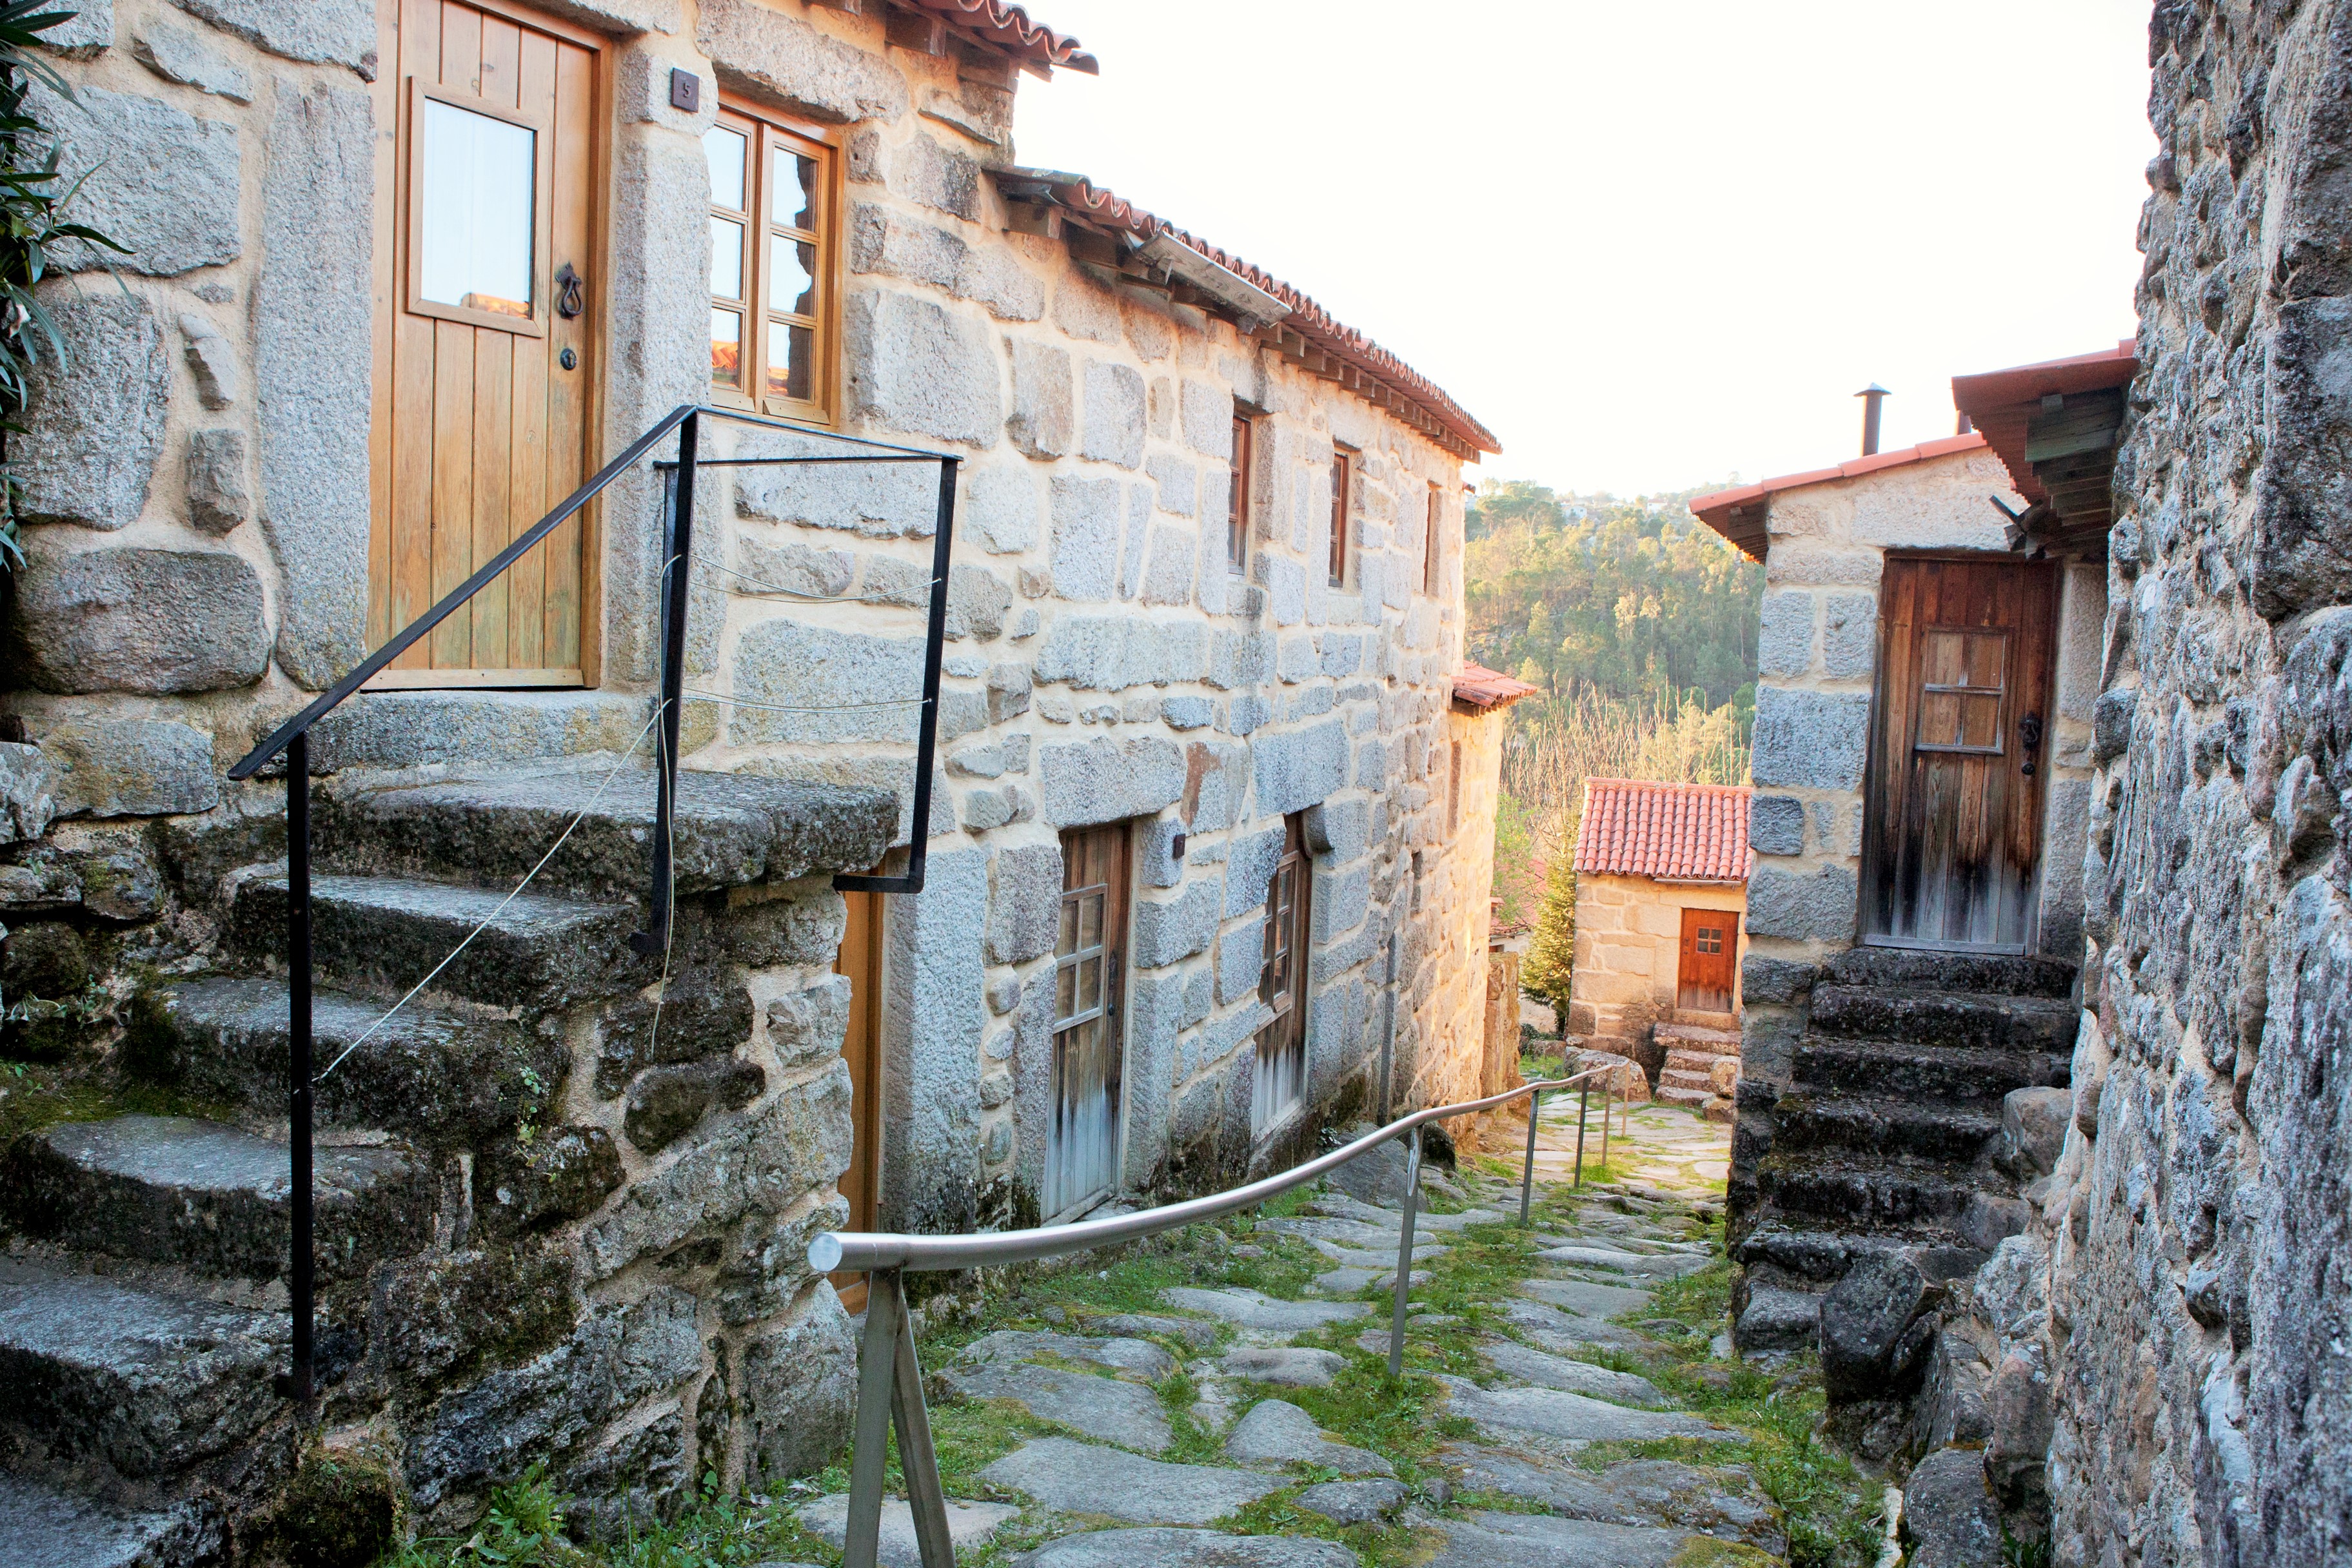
x,y
1710,947
1953,809
487,282
1089,1054
1278,1077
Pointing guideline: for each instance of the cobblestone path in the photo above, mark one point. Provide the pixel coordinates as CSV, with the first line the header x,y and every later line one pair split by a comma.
x,y
1225,1404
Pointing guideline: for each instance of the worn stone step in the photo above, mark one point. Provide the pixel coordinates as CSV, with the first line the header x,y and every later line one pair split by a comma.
x,y
386,933
1899,1070
1684,1095
1983,972
1963,1019
48,1528
1842,1188
1700,1018
1927,1128
438,1077
1686,1077
1702,1062
730,830
1695,1038
173,1189
149,1384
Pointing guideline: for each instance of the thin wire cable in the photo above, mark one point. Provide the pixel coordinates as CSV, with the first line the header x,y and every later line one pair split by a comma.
x,y
510,898
771,589
780,707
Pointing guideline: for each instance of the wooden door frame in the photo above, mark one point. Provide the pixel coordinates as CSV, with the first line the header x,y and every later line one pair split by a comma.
x,y
390,98
1875,783
863,1037
1302,961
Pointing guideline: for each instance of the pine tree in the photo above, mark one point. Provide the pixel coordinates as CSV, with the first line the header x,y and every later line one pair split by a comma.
x,y
1550,969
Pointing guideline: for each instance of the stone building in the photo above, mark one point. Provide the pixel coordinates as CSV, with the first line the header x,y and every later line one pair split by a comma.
x,y
1208,852
1661,887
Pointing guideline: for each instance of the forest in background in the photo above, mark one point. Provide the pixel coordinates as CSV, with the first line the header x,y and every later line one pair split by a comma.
x,y
1637,625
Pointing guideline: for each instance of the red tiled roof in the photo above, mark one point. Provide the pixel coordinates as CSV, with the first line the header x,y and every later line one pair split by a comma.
x,y
1009,28
1478,688
2001,403
1378,374
1673,832
1747,532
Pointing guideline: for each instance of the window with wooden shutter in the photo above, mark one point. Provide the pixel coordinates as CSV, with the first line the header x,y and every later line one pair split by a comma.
x,y
776,304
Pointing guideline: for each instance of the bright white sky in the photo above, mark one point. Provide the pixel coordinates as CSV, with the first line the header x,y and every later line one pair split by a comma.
x,y
1649,244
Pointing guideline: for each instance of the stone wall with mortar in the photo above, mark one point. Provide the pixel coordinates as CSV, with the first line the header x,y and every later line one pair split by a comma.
x,y
2197,1400
1629,932
1817,657
199,565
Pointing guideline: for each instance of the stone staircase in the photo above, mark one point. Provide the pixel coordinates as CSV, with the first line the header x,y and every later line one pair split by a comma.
x,y
1697,1045
1888,1136
143,1306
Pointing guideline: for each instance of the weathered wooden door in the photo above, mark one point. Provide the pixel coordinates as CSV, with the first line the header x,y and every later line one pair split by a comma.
x,y
1279,1082
1953,812
860,962
488,288
1710,947
1090,983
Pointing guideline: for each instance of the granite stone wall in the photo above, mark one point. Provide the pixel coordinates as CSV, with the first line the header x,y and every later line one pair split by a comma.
x,y
2199,1390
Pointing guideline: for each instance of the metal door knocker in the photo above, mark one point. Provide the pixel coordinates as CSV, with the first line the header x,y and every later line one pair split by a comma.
x,y
2029,739
568,302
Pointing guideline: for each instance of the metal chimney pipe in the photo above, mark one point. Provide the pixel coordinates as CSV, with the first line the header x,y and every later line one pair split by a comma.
x,y
1872,396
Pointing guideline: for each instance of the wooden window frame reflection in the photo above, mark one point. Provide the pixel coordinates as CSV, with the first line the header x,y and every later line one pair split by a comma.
x,y
1340,569
766,136
1429,542
1237,504
542,216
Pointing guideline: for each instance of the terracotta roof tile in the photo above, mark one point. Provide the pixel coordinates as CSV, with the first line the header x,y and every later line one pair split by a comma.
x,y
1674,832
1009,28
1716,510
1476,686
2002,403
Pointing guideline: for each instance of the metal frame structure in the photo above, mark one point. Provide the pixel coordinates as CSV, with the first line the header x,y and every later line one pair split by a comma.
x,y
292,739
890,1377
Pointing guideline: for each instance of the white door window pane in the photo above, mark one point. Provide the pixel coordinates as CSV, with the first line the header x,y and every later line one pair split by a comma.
x,y
476,211
792,278
794,196
725,150
726,259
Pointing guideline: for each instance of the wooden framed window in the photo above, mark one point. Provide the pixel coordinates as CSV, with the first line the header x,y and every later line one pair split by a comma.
x,y
1454,791
1429,536
775,304
1237,495
1342,471
473,185
1278,1082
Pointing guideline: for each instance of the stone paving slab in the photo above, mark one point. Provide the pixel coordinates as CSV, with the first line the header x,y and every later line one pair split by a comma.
x,y
1377,1256
1192,1330
1585,1298
1521,1363
1139,1357
1078,1477
1253,1309
1290,1366
1107,1408
1186,1549
1535,1540
1276,1432
1555,1413
1554,1328
970,1525
1346,1281
1654,1265
1353,1502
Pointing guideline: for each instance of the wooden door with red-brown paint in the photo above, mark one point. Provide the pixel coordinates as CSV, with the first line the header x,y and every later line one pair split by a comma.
x,y
1952,819
487,289
1710,947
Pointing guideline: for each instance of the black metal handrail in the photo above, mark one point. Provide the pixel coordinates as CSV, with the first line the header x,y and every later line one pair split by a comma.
x,y
292,739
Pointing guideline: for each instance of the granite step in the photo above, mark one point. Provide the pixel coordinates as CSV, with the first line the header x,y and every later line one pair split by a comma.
x,y
1966,1019
1676,1077
213,1199
1899,1070
1699,1018
1837,1188
730,830
1688,1097
1925,1128
1987,973
438,1077
48,1528
1682,1059
147,1383
384,934
1694,1038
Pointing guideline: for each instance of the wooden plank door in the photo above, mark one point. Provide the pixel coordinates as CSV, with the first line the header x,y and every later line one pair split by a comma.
x,y
1279,1082
1090,978
860,961
488,285
1953,810
1709,947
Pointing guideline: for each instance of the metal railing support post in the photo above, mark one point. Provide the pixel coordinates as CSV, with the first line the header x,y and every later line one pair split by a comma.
x,y
1527,1186
301,1284
677,562
1583,1104
1404,1251
1607,1104
878,1365
918,1460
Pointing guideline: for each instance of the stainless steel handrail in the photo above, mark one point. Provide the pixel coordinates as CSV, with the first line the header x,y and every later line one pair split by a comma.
x,y
890,1375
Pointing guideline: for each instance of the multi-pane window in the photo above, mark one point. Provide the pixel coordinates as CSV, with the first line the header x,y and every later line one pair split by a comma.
x,y
1429,536
772,227
1237,500
1342,466
1279,1082
1454,790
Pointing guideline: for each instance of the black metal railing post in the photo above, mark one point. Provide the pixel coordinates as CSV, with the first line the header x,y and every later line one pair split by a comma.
x,y
677,557
301,1284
